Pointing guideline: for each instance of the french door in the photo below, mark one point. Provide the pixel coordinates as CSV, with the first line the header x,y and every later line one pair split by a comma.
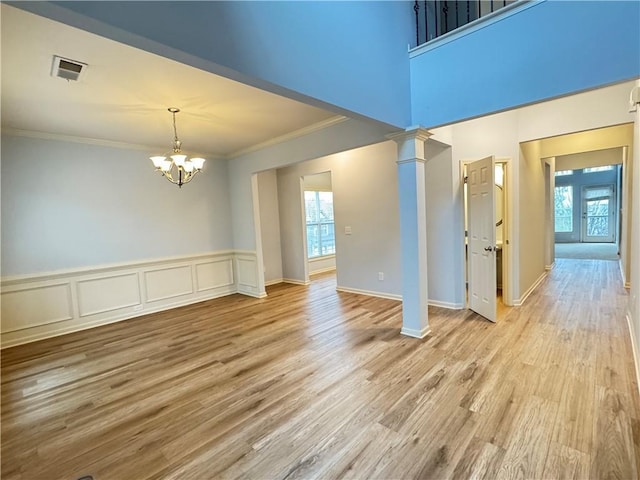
x,y
598,214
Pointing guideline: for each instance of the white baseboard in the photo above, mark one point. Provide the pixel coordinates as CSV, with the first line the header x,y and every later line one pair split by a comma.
x,y
625,281
388,296
410,332
39,306
295,281
322,270
449,305
636,358
273,282
548,268
519,302
391,296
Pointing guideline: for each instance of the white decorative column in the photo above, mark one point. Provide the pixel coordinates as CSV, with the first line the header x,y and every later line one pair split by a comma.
x,y
413,230
634,221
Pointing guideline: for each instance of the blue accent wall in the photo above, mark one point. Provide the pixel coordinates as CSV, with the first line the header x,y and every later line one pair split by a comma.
x,y
351,55
547,49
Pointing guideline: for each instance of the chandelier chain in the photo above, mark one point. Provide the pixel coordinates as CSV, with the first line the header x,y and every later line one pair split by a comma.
x,y
176,142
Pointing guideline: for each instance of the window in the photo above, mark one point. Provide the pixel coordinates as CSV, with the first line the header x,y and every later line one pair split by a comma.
x,y
562,173
321,239
598,209
597,169
563,201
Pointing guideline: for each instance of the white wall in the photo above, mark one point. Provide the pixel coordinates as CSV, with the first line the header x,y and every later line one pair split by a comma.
x,y
444,236
69,205
270,225
318,182
598,158
365,198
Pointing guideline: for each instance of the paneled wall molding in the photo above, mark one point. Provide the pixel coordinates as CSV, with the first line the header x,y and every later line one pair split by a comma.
x,y
38,306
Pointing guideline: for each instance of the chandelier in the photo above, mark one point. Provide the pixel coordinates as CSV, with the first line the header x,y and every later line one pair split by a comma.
x,y
176,167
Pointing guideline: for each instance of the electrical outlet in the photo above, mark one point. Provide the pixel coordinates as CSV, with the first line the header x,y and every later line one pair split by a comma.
x,y
347,230
380,276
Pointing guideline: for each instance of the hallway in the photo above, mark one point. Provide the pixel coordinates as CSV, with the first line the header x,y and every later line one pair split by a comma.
x,y
313,383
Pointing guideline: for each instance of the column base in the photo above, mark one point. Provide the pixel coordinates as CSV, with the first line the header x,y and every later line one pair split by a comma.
x,y
410,332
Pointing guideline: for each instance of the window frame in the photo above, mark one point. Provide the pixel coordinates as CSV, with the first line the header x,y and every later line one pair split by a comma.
x,y
571,210
319,224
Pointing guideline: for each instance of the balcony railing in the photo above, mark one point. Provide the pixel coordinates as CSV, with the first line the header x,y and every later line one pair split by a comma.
x,y
435,18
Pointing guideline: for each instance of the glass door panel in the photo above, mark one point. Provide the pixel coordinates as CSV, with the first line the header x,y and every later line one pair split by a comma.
x,y
598,223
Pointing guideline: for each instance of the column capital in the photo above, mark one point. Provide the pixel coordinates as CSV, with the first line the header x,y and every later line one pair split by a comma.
x,y
410,133
410,143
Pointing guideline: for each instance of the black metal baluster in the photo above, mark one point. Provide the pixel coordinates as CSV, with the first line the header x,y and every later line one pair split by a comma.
x,y
436,14
457,21
491,6
426,23
416,7
445,9
468,12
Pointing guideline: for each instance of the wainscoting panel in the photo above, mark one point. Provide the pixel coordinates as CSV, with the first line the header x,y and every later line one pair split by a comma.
x,y
45,305
22,307
168,282
215,274
247,274
105,294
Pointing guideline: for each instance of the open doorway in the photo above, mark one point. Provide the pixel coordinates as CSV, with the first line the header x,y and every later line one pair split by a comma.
x,y
587,212
498,227
319,227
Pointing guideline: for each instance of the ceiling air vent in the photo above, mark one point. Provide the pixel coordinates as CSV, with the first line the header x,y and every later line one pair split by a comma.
x,y
67,69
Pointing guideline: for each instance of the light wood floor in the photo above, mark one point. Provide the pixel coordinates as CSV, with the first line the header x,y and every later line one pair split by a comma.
x,y
311,383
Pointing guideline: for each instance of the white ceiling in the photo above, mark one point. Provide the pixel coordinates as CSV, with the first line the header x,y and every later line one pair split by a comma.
x,y
124,94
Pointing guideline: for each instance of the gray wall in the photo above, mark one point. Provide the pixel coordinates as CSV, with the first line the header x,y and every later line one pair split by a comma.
x,y
270,225
70,205
365,198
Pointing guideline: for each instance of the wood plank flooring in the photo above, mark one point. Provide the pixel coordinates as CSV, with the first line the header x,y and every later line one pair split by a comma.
x,y
310,383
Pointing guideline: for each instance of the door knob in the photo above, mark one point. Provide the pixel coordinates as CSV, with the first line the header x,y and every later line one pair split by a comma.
x,y
488,249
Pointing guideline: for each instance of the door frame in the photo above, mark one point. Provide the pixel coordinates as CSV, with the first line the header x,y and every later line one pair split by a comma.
x,y
613,202
508,265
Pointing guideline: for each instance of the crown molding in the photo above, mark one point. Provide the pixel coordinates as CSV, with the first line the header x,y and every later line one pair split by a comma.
x,y
290,136
133,146
16,132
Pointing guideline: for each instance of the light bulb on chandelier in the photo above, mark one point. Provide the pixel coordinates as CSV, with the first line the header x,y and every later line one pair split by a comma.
x,y
177,167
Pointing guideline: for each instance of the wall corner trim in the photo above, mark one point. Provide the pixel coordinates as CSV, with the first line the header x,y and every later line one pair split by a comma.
x,y
519,302
636,358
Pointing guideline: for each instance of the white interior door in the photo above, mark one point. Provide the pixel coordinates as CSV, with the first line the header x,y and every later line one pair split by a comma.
x,y
598,214
482,237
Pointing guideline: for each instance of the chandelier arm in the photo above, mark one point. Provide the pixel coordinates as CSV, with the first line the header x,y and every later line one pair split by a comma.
x,y
168,176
